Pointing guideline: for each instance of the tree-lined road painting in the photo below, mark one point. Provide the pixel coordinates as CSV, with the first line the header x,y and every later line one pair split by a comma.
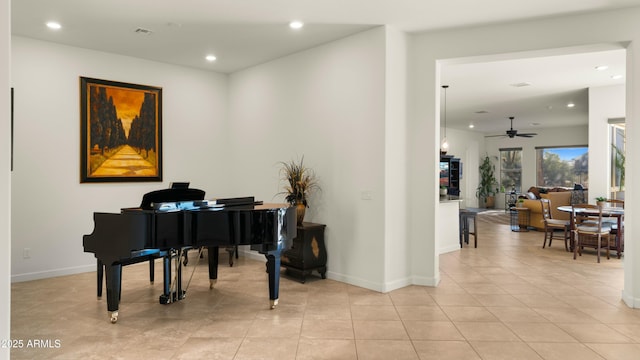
x,y
122,136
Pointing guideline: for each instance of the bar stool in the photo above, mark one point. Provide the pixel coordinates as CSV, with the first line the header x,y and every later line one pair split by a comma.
x,y
468,227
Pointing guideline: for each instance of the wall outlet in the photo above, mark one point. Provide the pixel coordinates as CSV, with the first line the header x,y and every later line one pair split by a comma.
x,y
26,253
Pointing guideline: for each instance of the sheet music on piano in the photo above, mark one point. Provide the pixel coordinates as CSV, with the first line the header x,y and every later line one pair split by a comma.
x,y
214,204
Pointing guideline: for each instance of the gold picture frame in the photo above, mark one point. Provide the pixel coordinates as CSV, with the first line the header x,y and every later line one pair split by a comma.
x,y
121,131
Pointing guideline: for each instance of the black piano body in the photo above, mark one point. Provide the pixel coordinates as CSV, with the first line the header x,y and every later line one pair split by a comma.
x,y
137,233
150,252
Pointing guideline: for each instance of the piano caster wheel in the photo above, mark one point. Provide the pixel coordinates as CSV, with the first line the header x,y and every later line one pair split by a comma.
x,y
114,317
164,299
212,282
274,303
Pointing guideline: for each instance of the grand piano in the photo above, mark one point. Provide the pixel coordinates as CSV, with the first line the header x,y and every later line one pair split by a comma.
x,y
171,221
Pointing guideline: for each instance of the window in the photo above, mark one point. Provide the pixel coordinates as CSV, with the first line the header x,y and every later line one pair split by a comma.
x,y
562,166
618,148
511,169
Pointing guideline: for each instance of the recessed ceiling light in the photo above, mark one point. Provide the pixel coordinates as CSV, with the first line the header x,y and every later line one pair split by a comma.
x,y
471,126
54,25
210,58
602,67
296,24
616,77
571,104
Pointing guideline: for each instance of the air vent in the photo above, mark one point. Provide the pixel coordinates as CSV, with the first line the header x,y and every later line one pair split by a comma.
x,y
522,84
143,31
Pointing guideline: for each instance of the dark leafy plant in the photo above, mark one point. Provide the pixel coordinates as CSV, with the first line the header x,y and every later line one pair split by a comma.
x,y
619,160
488,185
300,180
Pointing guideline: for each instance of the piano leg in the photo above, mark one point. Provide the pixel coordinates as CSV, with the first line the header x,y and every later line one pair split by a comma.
x,y
100,276
212,251
273,268
231,250
152,269
113,274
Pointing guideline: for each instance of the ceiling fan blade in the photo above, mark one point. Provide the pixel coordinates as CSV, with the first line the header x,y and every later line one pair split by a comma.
x,y
495,136
527,135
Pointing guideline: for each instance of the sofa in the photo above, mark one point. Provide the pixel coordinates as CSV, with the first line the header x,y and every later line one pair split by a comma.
x,y
558,197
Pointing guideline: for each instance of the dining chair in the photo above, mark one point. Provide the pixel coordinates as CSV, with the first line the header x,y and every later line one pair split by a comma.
x,y
613,222
590,233
614,203
551,225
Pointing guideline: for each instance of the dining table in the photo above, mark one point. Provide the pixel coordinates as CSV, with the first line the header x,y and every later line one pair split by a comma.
x,y
607,211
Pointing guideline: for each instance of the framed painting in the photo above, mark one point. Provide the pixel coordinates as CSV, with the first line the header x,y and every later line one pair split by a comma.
x,y
121,131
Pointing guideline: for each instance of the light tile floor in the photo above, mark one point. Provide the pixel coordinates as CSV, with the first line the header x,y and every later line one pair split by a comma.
x,y
507,299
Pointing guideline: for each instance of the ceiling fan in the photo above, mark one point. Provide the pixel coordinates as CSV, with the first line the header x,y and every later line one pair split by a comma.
x,y
511,133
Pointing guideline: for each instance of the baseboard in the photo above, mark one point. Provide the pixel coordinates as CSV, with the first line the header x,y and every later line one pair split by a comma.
x,y
250,254
398,284
380,287
426,281
355,281
631,301
52,273
451,248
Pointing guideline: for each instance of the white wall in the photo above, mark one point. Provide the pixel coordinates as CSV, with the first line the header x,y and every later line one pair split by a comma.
x,y
450,238
5,178
328,104
604,103
426,50
396,249
51,210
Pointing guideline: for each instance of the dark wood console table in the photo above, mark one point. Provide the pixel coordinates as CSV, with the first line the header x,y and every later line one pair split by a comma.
x,y
308,252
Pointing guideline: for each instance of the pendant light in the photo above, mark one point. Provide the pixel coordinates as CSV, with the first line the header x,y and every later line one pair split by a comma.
x,y
444,145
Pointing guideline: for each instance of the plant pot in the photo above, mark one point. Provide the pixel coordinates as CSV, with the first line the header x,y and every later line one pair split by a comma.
x,y
489,202
300,211
443,192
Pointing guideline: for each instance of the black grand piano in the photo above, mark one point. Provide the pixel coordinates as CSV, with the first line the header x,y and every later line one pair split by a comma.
x,y
171,221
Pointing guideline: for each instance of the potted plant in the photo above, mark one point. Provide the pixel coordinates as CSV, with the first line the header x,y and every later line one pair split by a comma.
x,y
443,190
488,186
619,161
600,200
300,181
